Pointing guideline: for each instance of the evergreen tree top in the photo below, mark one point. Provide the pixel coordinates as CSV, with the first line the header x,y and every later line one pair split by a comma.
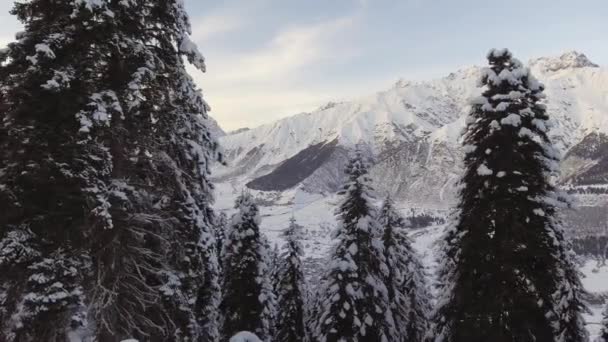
x,y
510,109
91,14
221,220
508,72
356,169
357,193
388,215
247,209
508,75
293,236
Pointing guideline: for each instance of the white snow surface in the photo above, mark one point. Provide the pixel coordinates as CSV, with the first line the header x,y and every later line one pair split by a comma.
x,y
245,336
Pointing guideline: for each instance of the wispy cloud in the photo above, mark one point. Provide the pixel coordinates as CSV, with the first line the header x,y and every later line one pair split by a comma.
x,y
207,27
254,87
238,108
287,52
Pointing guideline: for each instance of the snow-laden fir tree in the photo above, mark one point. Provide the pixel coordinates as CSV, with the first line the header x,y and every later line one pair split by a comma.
x,y
271,258
291,288
105,157
220,227
408,295
603,336
247,297
274,265
353,301
43,228
570,295
507,275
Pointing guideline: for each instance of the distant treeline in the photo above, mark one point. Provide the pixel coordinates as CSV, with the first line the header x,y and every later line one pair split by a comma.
x,y
588,190
593,246
421,220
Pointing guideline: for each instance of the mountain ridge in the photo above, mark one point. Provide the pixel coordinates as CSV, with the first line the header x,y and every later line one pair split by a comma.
x,y
419,112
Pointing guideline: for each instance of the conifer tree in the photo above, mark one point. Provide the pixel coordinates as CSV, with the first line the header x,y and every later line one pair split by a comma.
x,y
220,226
603,337
290,289
105,157
353,301
409,299
569,297
46,77
507,274
247,298
274,265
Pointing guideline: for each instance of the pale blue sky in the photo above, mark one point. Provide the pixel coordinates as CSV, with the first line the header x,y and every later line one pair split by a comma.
x,y
271,58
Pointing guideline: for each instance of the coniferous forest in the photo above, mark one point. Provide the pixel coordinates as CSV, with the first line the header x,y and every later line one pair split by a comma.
x,y
108,230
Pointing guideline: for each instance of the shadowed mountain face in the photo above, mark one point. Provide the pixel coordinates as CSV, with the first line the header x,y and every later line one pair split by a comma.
x,y
587,162
295,169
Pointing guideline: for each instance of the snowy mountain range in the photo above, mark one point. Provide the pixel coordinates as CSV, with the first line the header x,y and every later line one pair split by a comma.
x,y
411,133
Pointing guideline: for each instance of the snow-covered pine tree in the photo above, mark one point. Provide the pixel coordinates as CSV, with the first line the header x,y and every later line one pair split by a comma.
x,y
312,308
291,288
106,139
46,77
505,261
271,261
157,268
569,296
603,336
353,301
220,226
274,265
408,295
247,297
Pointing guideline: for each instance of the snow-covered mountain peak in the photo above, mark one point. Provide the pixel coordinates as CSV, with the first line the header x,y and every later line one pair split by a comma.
x,y
472,72
568,60
328,105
